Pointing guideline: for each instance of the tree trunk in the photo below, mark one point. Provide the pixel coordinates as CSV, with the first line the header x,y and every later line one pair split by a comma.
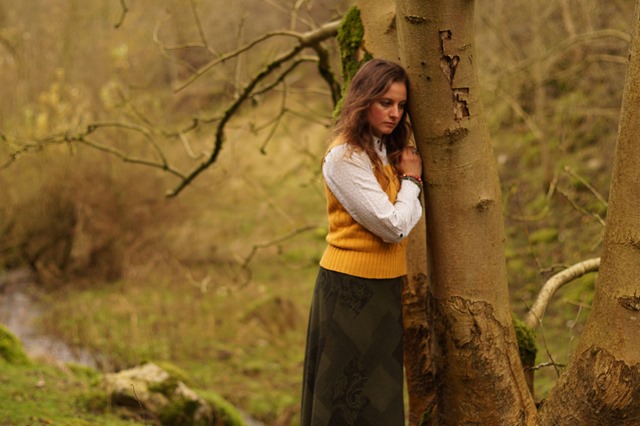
x,y
601,385
380,40
479,374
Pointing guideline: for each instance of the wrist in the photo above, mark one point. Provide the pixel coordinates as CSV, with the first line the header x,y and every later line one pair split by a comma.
x,y
413,178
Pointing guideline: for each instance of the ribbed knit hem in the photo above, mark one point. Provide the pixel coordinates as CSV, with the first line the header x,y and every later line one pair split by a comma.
x,y
390,263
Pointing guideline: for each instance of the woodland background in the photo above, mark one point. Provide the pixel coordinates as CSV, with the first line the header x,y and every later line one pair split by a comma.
x,y
218,279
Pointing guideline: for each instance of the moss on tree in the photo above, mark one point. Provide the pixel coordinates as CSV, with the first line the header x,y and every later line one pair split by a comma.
x,y
527,347
352,53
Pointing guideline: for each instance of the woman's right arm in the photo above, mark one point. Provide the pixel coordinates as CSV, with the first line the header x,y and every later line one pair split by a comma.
x,y
350,178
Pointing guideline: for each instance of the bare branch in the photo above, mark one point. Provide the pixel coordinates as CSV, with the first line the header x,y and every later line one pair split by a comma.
x,y
590,187
581,209
308,39
566,44
203,37
82,138
125,10
545,364
274,242
553,284
276,121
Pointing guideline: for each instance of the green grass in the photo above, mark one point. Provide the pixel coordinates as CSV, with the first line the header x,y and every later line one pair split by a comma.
x,y
42,394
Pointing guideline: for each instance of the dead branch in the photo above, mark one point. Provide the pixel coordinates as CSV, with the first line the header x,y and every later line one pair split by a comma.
x,y
590,187
581,209
125,10
306,40
82,138
567,44
534,317
275,241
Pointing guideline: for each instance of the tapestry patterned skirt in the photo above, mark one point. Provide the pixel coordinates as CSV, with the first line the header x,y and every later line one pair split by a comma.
x,y
353,372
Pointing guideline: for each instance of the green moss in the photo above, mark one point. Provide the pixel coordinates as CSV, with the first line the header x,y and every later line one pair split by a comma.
x,y
175,372
352,55
526,337
225,412
165,387
426,417
181,413
544,235
11,349
349,38
93,401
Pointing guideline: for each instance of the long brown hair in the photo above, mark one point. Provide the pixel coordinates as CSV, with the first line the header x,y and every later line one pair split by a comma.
x,y
370,83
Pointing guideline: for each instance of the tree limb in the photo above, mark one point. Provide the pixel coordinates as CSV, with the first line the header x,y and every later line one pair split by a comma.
x,y
123,15
308,39
553,284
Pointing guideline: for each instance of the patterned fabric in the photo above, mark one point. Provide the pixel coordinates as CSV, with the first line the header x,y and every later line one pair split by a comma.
x,y
353,372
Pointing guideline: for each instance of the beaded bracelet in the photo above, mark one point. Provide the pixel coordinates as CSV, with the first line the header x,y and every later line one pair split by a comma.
x,y
415,179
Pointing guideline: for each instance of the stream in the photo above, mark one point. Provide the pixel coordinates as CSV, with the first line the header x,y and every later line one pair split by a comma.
x,y
19,313
20,310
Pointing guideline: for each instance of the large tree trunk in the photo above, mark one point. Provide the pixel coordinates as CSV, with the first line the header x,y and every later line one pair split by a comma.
x,y
601,385
479,374
380,40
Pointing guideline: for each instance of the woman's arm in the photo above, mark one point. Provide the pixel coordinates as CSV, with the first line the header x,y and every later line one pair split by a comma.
x,y
350,178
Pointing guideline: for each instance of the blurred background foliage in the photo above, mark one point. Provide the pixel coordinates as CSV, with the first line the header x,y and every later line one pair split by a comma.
x,y
218,280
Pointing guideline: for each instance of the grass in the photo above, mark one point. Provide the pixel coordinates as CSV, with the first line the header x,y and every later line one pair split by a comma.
x,y
189,294
42,394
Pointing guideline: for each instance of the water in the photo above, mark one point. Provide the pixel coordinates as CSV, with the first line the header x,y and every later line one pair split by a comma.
x,y
19,312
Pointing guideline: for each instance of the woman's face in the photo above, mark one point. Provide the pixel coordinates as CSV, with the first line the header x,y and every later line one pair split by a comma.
x,y
384,113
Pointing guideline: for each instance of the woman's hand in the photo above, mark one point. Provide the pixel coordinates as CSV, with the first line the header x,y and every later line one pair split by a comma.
x,y
410,162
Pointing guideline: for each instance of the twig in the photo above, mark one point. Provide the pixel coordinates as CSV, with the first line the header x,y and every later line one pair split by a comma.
x,y
566,44
82,138
274,242
534,317
545,364
582,210
276,121
125,10
306,40
590,187
247,260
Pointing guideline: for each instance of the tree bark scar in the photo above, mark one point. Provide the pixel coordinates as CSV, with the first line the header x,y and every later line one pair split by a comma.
x,y
460,105
449,65
631,303
484,204
450,137
614,387
473,359
416,20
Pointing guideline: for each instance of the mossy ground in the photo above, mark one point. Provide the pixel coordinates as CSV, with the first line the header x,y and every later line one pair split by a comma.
x,y
45,394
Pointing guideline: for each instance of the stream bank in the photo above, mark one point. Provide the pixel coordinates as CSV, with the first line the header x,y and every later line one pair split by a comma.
x,y
20,311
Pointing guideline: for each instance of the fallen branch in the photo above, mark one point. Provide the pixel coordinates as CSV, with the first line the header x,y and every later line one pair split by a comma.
x,y
553,284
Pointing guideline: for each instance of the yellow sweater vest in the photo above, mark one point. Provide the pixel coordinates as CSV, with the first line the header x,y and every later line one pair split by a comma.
x,y
356,251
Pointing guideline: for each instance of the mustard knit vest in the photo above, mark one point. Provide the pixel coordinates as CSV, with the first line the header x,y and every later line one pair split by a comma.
x,y
356,251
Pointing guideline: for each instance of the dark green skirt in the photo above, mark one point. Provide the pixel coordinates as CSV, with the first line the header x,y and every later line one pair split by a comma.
x,y
353,363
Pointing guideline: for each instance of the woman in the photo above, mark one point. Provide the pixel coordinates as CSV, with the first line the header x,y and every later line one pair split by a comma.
x,y
353,371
